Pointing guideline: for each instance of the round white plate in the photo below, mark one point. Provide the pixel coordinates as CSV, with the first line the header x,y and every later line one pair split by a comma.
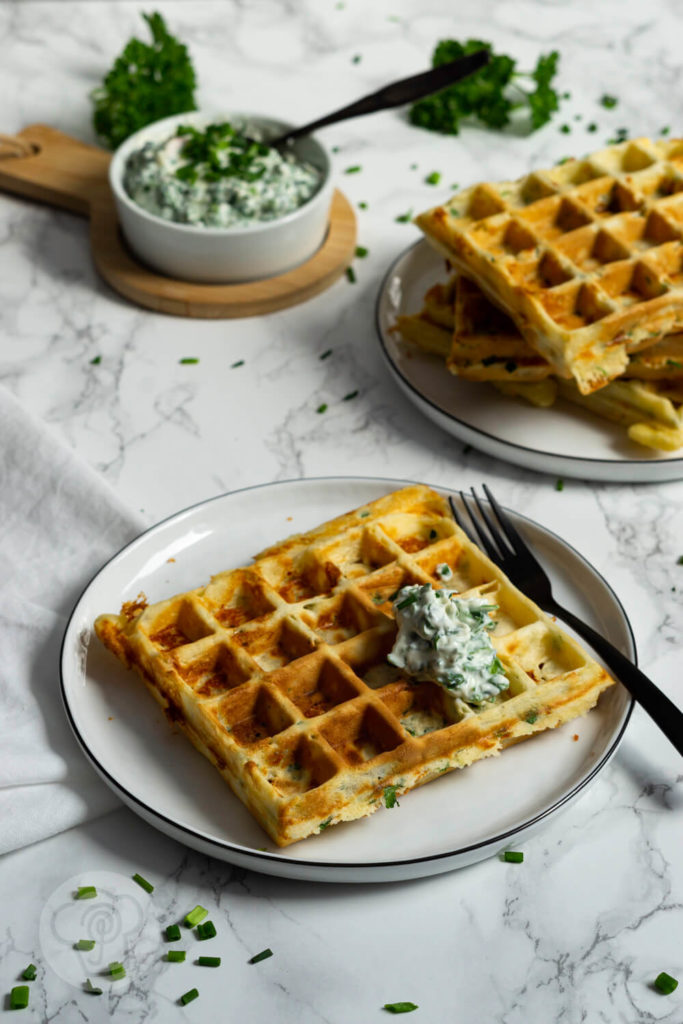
x,y
455,820
563,440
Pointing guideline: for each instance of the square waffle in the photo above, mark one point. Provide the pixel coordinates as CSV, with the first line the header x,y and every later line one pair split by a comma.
x,y
278,671
586,257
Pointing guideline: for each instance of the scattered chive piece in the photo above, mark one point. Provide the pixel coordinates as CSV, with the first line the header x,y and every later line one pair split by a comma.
x,y
513,857
187,997
206,930
390,799
176,956
592,127
608,101
361,252
680,560
117,970
362,206
351,394
363,515
335,149
173,933
322,408
565,129
326,354
324,824
665,130
433,179
350,273
353,170
209,961
86,892
92,989
188,361
356,59
665,983
85,944
531,717
405,218
413,167
263,955
18,999
559,485
400,1007
406,602
96,361
195,916
455,186
143,883
240,362
29,973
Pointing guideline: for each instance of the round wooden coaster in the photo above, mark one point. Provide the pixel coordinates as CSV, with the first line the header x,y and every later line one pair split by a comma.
x,y
60,170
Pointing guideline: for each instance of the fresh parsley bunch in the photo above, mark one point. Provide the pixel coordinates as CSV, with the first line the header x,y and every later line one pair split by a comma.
x,y
487,95
147,81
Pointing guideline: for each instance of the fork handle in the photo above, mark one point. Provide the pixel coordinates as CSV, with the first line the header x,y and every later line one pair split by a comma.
x,y
658,706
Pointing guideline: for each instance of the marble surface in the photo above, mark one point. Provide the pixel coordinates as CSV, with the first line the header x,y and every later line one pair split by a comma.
x,y
576,933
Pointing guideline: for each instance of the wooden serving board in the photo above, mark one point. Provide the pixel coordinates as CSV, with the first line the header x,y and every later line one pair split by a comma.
x,y
64,172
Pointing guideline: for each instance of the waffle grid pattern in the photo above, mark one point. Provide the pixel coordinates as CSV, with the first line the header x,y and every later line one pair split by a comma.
x,y
278,671
585,257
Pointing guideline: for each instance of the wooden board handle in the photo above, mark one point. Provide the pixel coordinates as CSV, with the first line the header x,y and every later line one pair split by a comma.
x,y
58,169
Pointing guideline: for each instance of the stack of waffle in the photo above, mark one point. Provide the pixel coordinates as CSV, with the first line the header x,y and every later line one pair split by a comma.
x,y
569,281
278,671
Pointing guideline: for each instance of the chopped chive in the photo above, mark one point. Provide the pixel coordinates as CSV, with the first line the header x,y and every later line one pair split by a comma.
x,y
143,883
406,602
390,799
188,361
351,274
679,560
209,961
364,515
531,717
608,101
353,170
559,484
322,408
362,206
240,362
326,354
377,599
85,944
513,857
400,1007
404,218
433,179
351,394
665,130
117,970
356,59
172,933
86,892
18,999
565,129
94,990
176,956
187,997
665,983
361,252
29,973
325,824
263,955
206,930
96,361
195,916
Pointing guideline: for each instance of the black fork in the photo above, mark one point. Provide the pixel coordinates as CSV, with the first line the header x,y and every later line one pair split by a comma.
x,y
505,546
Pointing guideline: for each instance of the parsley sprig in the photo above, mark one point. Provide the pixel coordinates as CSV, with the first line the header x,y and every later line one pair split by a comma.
x,y
146,82
491,94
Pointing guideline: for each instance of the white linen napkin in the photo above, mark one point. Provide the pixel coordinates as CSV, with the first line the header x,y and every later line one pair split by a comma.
x,y
60,522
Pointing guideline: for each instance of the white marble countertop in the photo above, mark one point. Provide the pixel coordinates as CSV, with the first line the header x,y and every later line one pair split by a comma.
x,y
579,931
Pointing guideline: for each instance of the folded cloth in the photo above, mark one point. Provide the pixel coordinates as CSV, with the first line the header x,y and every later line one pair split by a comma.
x,y
60,522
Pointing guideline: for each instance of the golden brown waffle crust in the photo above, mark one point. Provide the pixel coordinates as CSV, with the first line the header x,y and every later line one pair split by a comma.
x,y
584,257
277,671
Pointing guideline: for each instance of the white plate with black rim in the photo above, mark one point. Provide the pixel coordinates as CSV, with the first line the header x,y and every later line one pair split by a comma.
x,y
456,820
563,440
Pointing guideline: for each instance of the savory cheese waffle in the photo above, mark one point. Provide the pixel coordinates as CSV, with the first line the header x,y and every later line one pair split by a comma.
x,y
586,257
278,671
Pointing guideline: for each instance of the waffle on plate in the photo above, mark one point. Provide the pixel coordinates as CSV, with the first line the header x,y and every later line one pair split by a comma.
x,y
278,671
585,257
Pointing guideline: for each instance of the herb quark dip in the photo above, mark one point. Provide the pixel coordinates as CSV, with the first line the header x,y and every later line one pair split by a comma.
x,y
216,177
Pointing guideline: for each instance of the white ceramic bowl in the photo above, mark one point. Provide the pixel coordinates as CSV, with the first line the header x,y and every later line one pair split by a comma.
x,y
222,255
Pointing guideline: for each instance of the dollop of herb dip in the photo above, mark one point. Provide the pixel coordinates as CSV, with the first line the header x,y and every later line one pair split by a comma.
x,y
218,177
447,639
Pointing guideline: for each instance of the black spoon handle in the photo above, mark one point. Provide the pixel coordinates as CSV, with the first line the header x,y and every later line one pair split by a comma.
x,y
397,94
